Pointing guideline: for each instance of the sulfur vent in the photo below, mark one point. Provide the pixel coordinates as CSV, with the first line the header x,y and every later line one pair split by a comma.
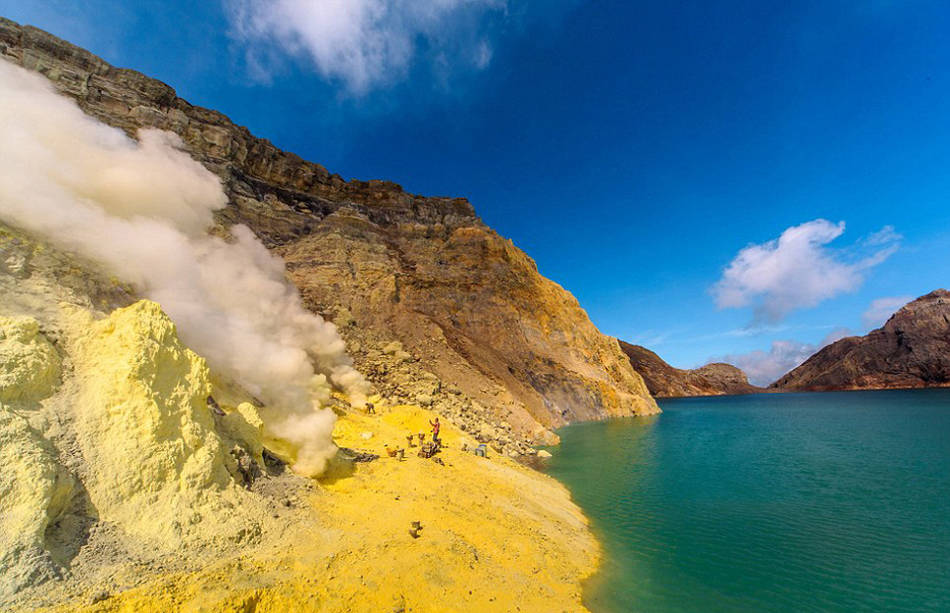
x,y
110,452
158,468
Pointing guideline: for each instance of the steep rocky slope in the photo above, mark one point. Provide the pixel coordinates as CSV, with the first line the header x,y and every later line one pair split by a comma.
x,y
664,381
912,349
124,488
435,306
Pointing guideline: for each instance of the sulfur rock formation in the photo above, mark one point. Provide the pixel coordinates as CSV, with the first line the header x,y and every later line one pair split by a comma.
x,y
157,465
29,364
111,456
109,450
35,489
484,338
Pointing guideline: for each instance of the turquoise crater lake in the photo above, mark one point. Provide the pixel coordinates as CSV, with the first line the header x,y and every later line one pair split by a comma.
x,y
785,502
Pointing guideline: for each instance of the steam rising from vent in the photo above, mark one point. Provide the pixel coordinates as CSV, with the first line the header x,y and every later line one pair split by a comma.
x,y
142,210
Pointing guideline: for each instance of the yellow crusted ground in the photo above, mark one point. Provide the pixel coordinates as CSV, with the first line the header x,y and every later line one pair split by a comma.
x,y
158,472
496,537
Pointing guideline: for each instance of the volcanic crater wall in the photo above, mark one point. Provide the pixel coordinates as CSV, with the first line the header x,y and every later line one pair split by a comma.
x,y
911,350
665,381
437,309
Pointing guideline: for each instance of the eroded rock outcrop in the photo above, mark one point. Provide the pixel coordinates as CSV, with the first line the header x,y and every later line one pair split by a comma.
x,y
911,350
467,305
665,381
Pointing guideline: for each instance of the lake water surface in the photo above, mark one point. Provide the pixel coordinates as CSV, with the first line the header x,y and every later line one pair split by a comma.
x,y
785,502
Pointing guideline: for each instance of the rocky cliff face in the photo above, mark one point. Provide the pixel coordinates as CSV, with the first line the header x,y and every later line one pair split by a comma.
x,y
911,350
664,381
436,307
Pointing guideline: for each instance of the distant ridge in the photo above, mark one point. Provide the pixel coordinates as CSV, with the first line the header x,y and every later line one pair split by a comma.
x,y
911,350
665,381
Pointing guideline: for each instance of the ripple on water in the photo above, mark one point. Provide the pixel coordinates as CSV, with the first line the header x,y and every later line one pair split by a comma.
x,y
790,502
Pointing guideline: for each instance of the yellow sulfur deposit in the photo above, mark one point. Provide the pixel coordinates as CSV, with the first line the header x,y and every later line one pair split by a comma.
x,y
34,488
157,464
29,364
245,424
495,537
136,455
33,493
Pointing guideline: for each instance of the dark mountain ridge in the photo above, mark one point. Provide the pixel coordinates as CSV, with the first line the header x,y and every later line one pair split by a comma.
x,y
911,350
665,381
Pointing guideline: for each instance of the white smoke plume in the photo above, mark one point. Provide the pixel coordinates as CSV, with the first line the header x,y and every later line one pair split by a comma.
x,y
141,209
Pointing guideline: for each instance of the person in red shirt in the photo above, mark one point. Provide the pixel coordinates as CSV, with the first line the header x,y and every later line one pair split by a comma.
x,y
435,431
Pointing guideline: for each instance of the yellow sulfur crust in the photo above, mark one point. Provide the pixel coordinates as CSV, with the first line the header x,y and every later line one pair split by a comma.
x,y
495,535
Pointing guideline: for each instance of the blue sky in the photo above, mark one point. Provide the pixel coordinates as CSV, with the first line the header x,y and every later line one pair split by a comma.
x,y
633,149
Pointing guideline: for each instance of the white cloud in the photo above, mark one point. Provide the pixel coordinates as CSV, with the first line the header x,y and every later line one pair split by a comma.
x,y
881,309
798,269
764,367
884,236
362,43
483,55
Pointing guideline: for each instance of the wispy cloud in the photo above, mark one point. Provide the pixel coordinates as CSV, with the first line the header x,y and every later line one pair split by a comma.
x,y
363,44
745,332
799,270
651,338
881,309
764,367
